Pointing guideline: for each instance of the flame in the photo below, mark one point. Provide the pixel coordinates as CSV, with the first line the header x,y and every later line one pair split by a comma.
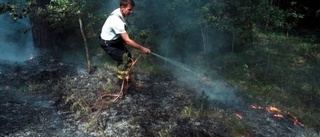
x,y
256,107
273,109
278,116
278,113
239,116
296,121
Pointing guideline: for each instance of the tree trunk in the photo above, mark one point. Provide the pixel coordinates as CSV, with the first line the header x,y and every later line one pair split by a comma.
x,y
85,45
40,32
233,40
204,34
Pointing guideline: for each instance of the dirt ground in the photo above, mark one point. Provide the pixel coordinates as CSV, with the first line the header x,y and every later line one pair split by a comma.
x,y
45,97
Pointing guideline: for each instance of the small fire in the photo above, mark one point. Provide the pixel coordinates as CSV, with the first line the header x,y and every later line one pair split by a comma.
x,y
273,110
278,113
256,107
296,121
239,116
278,116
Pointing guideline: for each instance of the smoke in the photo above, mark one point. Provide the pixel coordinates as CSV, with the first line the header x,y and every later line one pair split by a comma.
x,y
211,85
106,8
16,43
183,39
111,5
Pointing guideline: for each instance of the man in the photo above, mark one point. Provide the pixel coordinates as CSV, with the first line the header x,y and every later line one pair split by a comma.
x,y
114,37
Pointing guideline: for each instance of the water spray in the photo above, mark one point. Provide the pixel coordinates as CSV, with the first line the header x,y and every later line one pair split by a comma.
x,y
182,66
215,90
175,63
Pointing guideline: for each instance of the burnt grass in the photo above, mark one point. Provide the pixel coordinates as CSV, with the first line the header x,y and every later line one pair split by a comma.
x,y
46,97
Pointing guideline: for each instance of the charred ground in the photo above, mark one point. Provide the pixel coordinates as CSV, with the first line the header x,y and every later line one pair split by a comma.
x,y
46,97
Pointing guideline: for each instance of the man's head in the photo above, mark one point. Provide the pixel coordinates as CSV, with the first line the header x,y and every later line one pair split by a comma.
x,y
126,7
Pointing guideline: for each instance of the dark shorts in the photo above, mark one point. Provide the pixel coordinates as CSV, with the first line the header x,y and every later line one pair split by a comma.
x,y
116,50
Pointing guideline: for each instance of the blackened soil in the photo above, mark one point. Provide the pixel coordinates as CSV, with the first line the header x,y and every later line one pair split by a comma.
x,y
45,97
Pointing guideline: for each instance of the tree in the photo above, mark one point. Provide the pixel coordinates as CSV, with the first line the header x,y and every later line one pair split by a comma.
x,y
42,35
52,20
61,13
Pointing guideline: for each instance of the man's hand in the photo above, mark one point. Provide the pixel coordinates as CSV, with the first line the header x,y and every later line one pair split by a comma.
x,y
145,50
134,44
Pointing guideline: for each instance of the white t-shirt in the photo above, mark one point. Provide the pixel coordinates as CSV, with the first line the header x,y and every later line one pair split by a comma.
x,y
113,26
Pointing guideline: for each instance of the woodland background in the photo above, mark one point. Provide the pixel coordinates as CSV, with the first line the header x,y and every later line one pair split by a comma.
x,y
269,49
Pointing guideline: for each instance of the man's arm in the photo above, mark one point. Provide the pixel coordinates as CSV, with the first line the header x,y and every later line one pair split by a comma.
x,y
134,44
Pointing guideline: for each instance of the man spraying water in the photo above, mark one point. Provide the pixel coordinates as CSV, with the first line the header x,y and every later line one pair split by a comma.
x,y
114,37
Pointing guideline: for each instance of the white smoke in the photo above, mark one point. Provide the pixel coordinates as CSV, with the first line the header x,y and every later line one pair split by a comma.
x,y
110,6
16,43
212,86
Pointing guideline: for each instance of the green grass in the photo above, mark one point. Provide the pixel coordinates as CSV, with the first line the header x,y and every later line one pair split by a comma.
x,y
278,70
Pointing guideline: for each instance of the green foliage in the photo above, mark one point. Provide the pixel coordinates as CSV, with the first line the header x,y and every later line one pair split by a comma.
x,y
17,10
214,15
237,21
239,127
33,87
189,111
272,68
279,70
61,14
166,132
267,16
235,18
197,109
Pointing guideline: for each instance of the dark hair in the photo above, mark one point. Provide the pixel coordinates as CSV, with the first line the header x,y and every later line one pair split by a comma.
x,y
127,2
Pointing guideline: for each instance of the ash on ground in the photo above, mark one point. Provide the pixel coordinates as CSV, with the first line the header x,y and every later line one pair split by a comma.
x,y
45,97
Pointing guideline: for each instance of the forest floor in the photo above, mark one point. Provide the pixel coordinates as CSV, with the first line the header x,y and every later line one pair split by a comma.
x,y
45,97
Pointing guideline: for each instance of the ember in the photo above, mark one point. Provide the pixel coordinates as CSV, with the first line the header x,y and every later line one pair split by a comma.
x,y
273,109
239,116
256,107
296,121
278,113
278,116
